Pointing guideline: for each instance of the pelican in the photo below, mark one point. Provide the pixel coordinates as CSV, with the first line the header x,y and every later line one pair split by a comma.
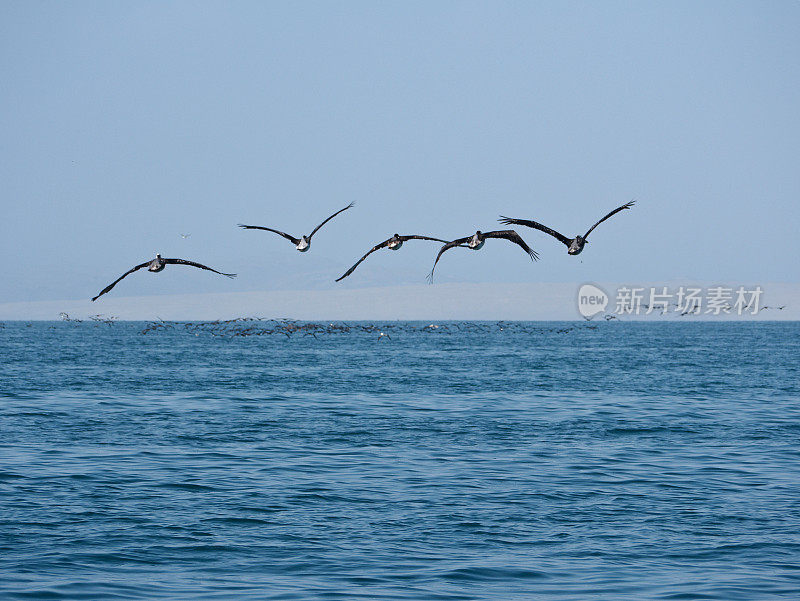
x,y
157,265
393,243
574,246
303,243
478,239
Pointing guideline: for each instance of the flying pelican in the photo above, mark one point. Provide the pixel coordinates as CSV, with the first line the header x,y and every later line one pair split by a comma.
x,y
393,243
574,246
478,239
157,265
303,243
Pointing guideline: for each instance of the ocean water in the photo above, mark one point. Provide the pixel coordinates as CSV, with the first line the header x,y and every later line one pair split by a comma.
x,y
263,460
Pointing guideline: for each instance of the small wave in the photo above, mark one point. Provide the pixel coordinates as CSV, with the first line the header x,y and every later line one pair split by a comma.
x,y
483,574
188,486
234,521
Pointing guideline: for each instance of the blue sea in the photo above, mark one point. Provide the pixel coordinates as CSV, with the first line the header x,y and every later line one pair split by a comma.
x,y
448,461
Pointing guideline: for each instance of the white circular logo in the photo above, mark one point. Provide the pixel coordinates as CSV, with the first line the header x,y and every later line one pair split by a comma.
x,y
591,300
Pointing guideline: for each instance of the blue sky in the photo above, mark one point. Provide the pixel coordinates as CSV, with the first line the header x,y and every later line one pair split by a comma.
x,y
124,125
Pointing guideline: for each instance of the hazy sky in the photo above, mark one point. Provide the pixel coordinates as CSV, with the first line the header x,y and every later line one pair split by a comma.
x,y
126,124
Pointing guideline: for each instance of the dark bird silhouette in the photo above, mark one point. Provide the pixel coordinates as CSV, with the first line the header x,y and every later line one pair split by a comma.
x,y
303,243
157,265
393,243
478,239
574,245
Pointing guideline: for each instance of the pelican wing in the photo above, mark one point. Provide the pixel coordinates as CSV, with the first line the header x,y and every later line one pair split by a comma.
x,y
415,237
291,239
537,226
383,245
444,249
627,205
115,282
328,219
514,237
193,264
368,253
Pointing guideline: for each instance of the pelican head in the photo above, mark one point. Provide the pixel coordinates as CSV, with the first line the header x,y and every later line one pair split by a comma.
x,y
156,264
576,246
476,242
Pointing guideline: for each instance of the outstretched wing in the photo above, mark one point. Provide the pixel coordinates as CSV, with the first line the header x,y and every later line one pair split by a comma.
x,y
368,253
115,282
537,226
444,249
415,237
382,245
514,237
291,239
328,219
193,264
627,205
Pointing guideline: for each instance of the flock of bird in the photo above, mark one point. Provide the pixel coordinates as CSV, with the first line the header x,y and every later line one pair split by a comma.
x,y
475,242
256,326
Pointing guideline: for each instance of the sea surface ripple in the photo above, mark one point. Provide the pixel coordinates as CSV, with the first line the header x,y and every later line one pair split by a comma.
x,y
462,462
